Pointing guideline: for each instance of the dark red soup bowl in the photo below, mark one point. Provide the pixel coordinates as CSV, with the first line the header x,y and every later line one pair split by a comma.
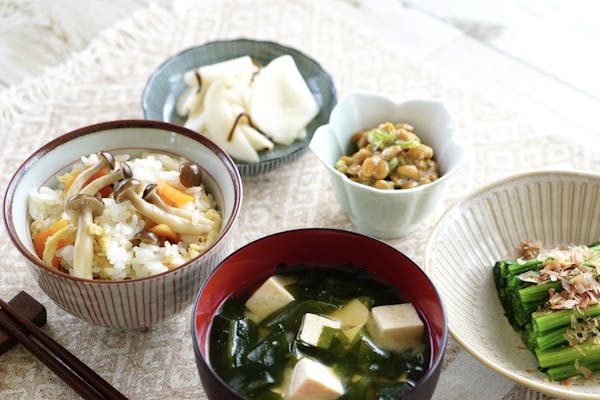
x,y
245,269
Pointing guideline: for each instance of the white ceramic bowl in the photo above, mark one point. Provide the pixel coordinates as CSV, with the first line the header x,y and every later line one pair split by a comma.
x,y
558,208
387,213
129,303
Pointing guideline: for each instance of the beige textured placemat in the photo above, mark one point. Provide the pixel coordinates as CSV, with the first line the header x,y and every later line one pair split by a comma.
x,y
105,82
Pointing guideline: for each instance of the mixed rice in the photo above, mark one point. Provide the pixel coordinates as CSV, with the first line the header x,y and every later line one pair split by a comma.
x,y
128,240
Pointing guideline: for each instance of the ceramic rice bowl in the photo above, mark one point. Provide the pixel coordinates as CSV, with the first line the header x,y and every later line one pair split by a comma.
x,y
131,303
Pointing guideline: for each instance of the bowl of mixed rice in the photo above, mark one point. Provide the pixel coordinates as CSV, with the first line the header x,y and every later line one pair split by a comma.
x,y
121,222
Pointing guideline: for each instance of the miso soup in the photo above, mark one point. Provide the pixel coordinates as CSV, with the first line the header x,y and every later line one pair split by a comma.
x,y
319,333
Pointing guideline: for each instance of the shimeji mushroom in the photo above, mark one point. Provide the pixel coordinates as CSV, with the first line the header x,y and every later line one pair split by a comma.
x,y
85,207
146,237
190,174
126,190
105,160
109,179
149,194
152,197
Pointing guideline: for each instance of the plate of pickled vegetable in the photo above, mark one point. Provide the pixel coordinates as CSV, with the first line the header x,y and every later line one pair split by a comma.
x,y
517,265
260,101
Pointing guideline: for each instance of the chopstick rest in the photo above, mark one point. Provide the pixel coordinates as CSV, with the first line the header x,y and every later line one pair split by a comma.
x,y
81,378
30,309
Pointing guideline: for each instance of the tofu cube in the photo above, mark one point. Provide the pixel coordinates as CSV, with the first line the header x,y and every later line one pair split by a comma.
x,y
314,330
396,327
353,316
313,380
270,297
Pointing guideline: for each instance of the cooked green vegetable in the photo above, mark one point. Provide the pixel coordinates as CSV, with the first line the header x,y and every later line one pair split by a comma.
x,y
257,360
553,300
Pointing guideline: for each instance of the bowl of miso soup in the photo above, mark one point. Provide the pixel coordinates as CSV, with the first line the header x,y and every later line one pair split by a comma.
x,y
319,314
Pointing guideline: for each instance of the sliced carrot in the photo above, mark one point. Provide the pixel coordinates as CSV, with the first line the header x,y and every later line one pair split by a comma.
x,y
171,196
61,238
97,175
56,259
69,181
39,240
104,192
165,231
148,223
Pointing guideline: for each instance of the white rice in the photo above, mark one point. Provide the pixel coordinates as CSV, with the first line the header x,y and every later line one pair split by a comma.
x,y
44,206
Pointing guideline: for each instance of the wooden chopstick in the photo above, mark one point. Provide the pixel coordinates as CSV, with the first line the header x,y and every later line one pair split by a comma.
x,y
73,371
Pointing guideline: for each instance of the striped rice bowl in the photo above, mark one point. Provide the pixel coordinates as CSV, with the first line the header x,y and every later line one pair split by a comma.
x,y
117,233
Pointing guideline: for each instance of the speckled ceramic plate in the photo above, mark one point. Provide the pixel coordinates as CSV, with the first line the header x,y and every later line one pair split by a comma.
x,y
558,208
166,84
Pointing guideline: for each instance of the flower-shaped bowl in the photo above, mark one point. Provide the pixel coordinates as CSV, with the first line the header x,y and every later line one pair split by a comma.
x,y
388,213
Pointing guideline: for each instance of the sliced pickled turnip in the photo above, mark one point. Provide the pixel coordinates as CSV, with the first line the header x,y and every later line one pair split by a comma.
x,y
220,114
237,71
256,139
245,112
301,134
240,69
195,120
281,104
185,102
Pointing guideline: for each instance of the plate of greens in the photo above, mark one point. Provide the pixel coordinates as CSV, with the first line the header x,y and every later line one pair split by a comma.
x,y
516,264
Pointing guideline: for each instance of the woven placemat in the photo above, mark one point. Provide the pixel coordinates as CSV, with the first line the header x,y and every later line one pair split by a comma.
x,y
105,82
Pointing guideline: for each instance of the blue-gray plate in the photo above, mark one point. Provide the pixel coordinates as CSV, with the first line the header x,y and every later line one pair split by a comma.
x,y
166,84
